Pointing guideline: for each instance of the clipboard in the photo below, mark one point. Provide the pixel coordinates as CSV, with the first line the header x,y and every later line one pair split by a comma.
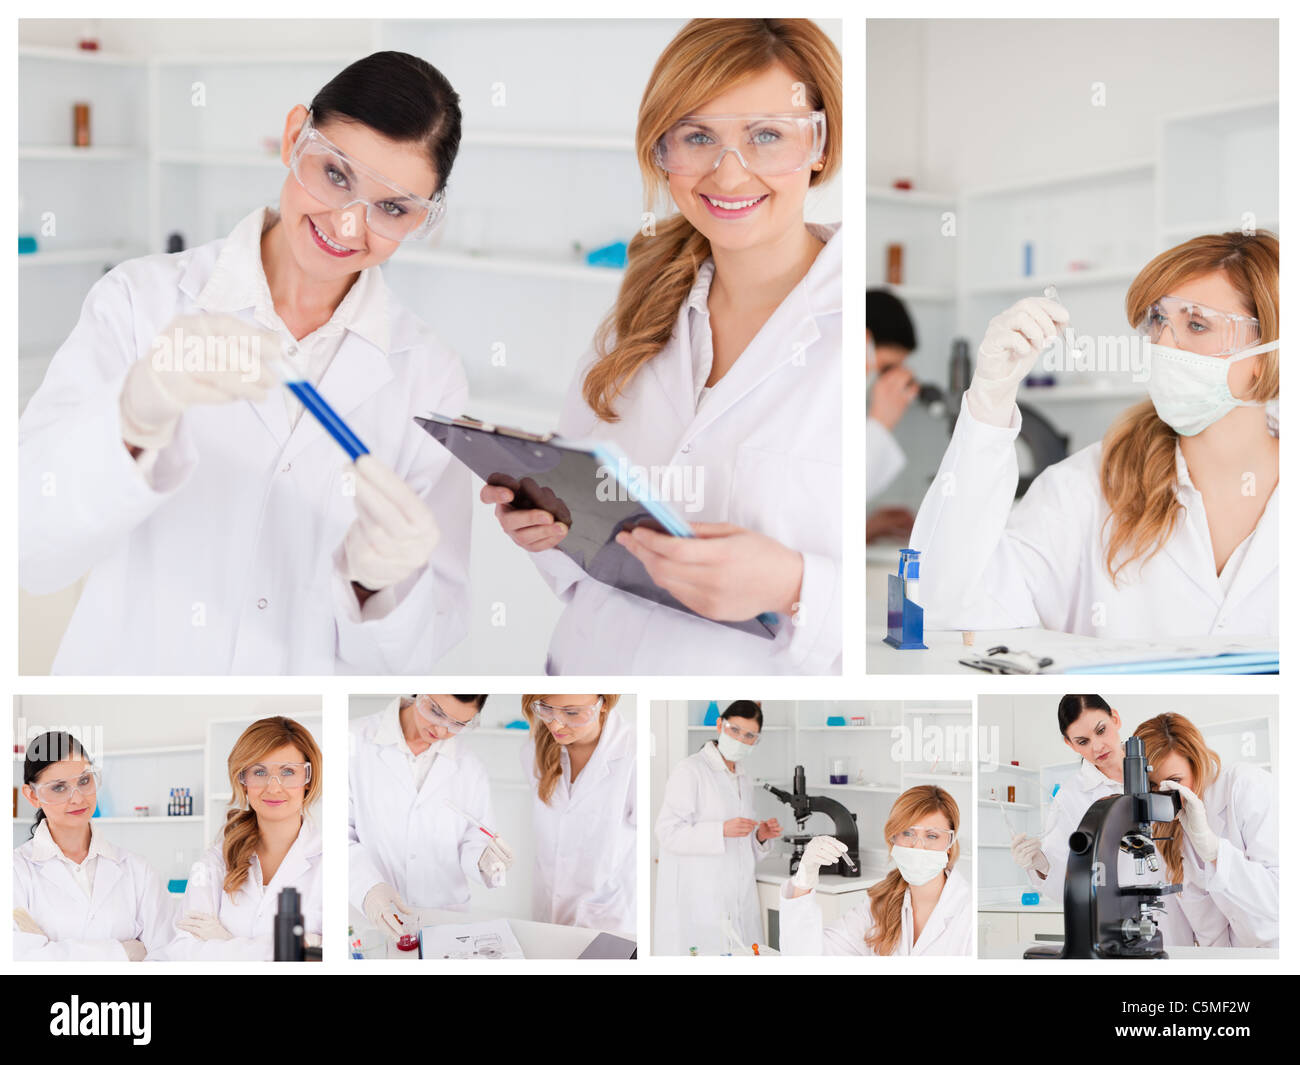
x,y
584,484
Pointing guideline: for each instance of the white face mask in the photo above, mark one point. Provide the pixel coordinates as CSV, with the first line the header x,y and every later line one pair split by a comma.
x,y
918,865
1191,391
732,749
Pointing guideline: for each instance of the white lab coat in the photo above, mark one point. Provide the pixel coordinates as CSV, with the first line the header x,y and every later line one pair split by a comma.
x,y
584,839
128,901
224,563
767,441
1235,902
704,875
988,565
885,459
948,931
249,915
407,839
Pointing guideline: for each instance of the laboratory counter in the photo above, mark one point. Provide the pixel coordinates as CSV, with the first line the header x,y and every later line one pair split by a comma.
x,y
536,939
1175,953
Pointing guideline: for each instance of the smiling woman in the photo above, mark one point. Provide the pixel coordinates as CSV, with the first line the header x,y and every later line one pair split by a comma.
x,y
271,841
722,354
362,569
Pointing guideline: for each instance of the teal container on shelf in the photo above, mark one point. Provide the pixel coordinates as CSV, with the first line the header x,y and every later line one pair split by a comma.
x,y
711,714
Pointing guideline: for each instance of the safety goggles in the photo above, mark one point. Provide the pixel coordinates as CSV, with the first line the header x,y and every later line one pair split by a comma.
x,y
764,144
291,775
438,717
1194,327
744,735
56,792
338,181
930,839
566,715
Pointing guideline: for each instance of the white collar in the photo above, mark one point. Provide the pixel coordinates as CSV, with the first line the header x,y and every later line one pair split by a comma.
x,y
1091,778
238,283
390,733
44,848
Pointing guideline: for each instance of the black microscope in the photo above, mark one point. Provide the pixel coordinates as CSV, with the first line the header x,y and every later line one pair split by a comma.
x,y
1102,918
290,932
804,806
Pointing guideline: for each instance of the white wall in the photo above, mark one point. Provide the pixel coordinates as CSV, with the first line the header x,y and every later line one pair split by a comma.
x,y
955,104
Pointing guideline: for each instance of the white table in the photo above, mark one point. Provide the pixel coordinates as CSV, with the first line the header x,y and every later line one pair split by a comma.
x,y
537,940
945,648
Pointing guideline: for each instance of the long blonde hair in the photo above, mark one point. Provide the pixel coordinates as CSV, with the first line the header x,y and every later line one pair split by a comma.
x,y
1167,734
240,836
546,751
887,896
1138,469
707,58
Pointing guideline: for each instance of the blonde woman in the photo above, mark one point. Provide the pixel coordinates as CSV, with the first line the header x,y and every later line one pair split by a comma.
x,y
270,842
719,368
78,897
921,907
581,765
1223,848
1169,526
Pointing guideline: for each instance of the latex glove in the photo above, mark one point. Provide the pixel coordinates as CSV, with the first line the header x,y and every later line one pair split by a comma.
x,y
1014,340
723,572
384,907
502,851
394,533
891,395
821,850
493,868
25,922
135,950
1196,826
203,926
1027,852
162,385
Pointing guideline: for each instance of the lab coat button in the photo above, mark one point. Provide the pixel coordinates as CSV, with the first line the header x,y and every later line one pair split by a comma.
x,y
286,467
261,604
686,449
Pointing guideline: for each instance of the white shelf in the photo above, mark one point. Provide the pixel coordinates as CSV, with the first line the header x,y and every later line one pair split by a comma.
x,y
849,728
254,59
185,748
878,789
69,153
1135,169
766,728
909,197
917,293
1002,767
567,269
1119,275
500,732
938,776
79,55
1216,225
73,256
1026,807
152,819
187,157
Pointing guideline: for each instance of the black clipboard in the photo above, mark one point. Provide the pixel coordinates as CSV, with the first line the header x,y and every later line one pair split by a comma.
x,y
579,483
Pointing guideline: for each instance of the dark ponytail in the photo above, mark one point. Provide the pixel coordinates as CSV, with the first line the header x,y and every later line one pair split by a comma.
x,y
44,751
400,96
1071,706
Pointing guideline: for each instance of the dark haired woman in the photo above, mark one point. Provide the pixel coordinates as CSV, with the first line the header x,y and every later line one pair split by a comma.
x,y
220,526
77,897
1090,728
271,841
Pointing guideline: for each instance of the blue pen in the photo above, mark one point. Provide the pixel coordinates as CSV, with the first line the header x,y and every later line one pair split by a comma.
x,y
323,413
